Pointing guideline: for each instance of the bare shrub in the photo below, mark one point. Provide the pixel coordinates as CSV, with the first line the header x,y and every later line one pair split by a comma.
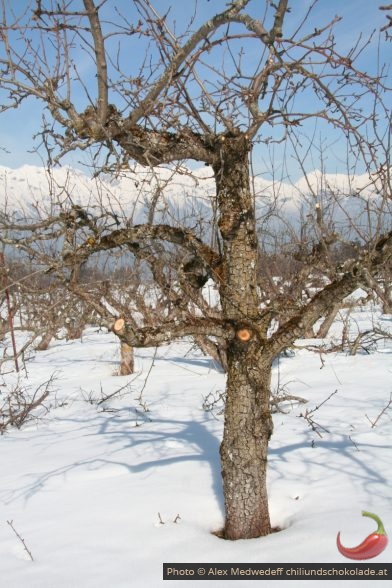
x,y
19,404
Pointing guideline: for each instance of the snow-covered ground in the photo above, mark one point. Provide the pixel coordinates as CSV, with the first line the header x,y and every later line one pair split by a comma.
x,y
103,494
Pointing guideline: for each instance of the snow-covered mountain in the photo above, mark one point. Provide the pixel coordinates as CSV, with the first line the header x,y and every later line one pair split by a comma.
x,y
178,196
130,194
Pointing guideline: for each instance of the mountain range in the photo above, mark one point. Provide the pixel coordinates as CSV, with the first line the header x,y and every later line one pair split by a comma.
x,y
185,196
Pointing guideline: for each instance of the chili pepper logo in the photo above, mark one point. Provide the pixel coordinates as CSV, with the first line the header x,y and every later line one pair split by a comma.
x,y
370,547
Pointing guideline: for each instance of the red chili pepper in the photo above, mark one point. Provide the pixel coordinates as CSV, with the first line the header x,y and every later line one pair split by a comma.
x,y
370,547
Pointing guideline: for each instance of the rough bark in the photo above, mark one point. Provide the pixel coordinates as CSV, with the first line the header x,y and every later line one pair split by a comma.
x,y
247,413
136,336
245,443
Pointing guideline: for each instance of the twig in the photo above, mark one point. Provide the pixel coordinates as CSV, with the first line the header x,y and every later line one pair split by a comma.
x,y
10,523
140,397
323,402
20,353
106,397
278,399
307,415
374,423
9,310
215,400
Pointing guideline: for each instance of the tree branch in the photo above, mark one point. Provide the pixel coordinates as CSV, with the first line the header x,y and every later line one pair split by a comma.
x,y
145,106
151,148
100,56
167,332
276,30
355,273
133,236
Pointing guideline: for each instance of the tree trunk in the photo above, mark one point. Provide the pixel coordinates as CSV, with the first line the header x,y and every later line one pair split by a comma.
x,y
127,359
248,423
328,320
245,445
45,340
387,298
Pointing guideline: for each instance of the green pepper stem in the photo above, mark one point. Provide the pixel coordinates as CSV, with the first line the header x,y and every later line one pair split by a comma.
x,y
380,528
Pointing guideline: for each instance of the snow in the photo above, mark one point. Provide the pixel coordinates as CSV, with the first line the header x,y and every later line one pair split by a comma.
x,y
103,494
183,193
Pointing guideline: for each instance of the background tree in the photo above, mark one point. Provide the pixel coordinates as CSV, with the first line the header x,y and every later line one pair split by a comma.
x,y
154,94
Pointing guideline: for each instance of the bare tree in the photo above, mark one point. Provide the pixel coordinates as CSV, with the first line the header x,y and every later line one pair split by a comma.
x,y
202,95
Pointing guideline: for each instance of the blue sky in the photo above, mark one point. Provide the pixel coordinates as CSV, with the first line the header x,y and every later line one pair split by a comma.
x,y
17,127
